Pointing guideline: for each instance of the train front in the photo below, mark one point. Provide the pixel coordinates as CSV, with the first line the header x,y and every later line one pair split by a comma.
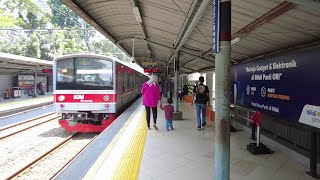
x,y
84,92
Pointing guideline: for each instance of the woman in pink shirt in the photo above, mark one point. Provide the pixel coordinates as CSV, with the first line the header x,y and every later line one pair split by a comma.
x,y
151,97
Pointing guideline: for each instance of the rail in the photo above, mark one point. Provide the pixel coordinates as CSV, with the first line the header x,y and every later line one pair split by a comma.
x,y
15,174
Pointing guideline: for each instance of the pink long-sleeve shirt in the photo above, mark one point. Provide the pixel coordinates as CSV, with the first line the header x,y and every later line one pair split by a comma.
x,y
151,94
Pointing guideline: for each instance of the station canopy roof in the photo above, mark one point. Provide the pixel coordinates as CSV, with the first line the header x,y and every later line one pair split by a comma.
x,y
11,64
161,27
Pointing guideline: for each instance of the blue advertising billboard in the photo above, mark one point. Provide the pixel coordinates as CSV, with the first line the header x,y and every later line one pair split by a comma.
x,y
281,85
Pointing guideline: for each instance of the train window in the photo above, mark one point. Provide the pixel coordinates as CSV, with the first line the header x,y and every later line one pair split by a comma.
x,y
128,81
95,74
65,70
124,80
85,74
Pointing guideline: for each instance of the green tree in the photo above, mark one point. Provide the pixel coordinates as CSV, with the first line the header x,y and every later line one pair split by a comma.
x,y
27,15
106,47
7,20
63,16
46,45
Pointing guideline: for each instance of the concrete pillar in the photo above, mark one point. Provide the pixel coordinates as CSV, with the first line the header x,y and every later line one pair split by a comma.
x,y
35,83
176,83
177,115
222,103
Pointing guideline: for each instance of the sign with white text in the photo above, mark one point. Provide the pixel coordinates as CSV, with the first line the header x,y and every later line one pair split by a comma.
x,y
310,116
215,27
282,85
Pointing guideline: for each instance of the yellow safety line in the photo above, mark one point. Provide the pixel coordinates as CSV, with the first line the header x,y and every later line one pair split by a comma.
x,y
94,169
128,167
19,102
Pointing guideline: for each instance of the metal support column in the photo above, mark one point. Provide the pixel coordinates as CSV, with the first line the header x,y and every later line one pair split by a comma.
x,y
222,103
35,83
176,82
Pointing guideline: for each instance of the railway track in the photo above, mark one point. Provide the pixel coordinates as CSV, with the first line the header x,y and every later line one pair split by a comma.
x,y
29,170
25,125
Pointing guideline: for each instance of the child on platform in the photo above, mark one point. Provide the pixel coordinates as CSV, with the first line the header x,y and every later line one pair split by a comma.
x,y
168,110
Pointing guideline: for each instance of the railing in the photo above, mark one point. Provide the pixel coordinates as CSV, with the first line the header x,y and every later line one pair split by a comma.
x,y
253,117
249,113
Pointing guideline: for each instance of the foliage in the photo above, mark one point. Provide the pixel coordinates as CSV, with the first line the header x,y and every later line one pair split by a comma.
x,y
63,16
7,20
26,14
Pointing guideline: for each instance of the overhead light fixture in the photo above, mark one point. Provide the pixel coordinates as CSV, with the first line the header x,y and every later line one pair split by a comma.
x,y
133,59
137,14
235,40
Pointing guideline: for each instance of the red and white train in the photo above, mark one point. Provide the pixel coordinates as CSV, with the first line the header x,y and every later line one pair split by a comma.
x,y
91,90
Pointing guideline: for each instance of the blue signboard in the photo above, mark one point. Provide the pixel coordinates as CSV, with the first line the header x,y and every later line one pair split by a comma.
x,y
281,86
215,28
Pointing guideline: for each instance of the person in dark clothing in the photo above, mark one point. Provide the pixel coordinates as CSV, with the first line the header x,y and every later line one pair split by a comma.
x,y
185,90
201,96
171,86
41,88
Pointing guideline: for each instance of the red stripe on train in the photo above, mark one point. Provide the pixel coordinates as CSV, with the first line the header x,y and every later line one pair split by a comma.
x,y
85,98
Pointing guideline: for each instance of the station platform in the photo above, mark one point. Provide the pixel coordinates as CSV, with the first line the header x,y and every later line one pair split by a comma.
x,y
15,105
185,153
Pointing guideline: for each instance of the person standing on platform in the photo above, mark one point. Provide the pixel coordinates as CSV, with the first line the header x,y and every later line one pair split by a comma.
x,y
168,112
185,90
201,96
151,96
170,87
161,88
180,94
41,88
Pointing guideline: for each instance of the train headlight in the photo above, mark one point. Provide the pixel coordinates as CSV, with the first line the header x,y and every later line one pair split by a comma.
x,y
61,98
106,98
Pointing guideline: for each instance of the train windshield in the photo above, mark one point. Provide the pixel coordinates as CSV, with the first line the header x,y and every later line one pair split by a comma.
x,y
84,74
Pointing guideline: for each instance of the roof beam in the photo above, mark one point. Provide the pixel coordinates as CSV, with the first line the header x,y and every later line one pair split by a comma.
x,y
269,16
164,46
204,5
312,4
286,49
186,21
137,14
187,70
162,62
25,67
189,62
72,5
